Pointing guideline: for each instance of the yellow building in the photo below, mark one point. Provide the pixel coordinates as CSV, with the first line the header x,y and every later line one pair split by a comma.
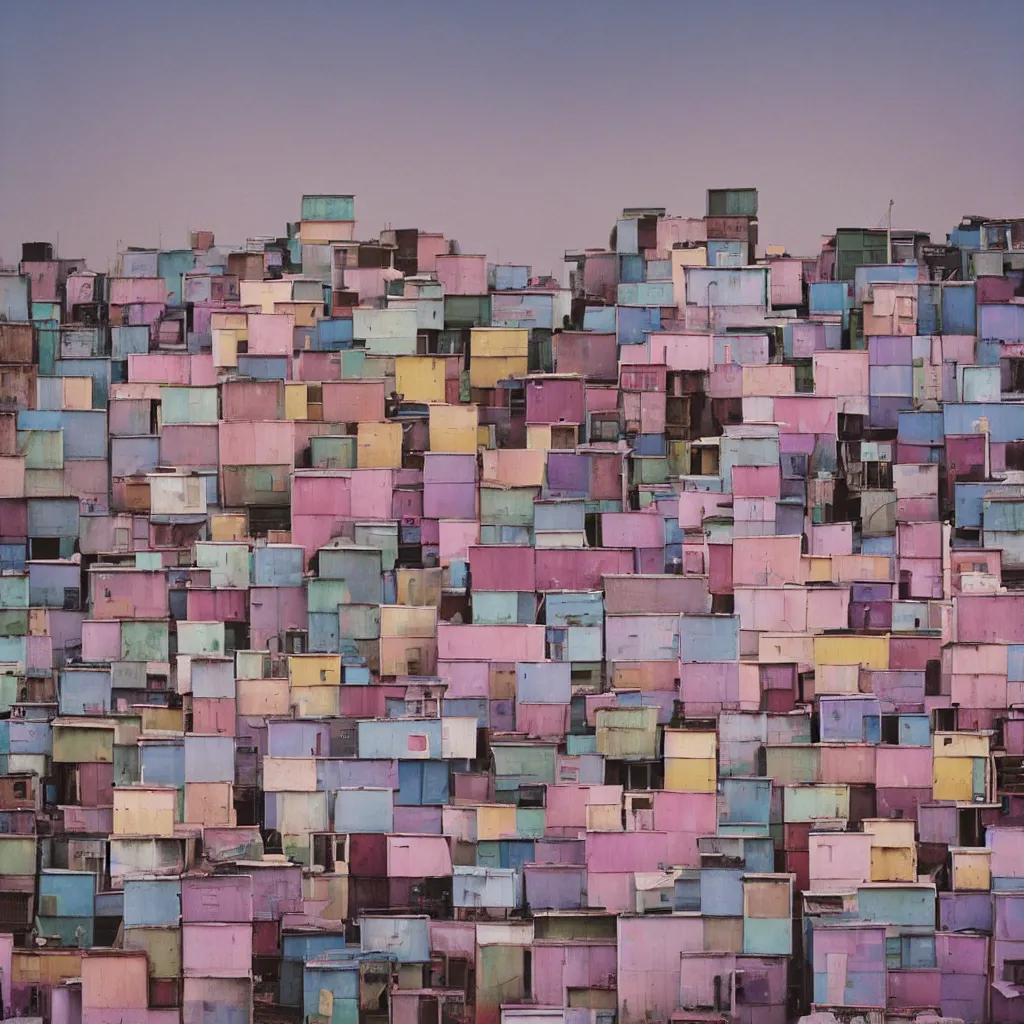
x,y
421,379
453,428
379,445
691,761
145,810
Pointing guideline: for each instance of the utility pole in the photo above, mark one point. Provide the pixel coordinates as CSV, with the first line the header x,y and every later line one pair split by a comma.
x,y
888,237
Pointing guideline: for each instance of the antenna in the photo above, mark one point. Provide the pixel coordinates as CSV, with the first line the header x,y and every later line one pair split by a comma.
x,y
888,236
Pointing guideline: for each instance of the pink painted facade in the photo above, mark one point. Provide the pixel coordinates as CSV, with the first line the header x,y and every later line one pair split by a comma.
x,y
502,568
903,767
990,619
504,643
159,369
766,561
462,275
247,400
126,594
582,569
411,856
114,982
556,400
649,964
190,446
266,443
632,530
559,967
353,401
216,950
542,721
213,898
101,640
213,716
428,247
590,353
220,605
271,334
129,291
272,611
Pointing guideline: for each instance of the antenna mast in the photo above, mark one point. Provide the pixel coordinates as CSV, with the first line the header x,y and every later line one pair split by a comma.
x,y
888,236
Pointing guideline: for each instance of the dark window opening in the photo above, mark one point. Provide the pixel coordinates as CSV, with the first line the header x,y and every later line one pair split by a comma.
x,y
890,729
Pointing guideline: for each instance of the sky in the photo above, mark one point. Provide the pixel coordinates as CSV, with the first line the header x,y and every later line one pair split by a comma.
x,y
519,129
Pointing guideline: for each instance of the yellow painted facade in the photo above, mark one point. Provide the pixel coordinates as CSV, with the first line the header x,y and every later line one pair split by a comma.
x,y
408,620
306,313
871,652
261,697
316,701
952,778
690,743
690,775
379,446
817,568
893,864
157,719
514,467
785,648
289,774
76,392
453,428
420,378
959,744
210,804
488,342
496,822
419,586
972,869
538,436
314,670
487,371
296,401
229,526
144,811
225,346
604,818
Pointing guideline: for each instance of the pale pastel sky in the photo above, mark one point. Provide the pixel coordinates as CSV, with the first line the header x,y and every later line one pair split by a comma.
x,y
519,129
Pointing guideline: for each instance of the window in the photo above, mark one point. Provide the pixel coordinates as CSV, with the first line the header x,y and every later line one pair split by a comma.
x,y
687,895
890,729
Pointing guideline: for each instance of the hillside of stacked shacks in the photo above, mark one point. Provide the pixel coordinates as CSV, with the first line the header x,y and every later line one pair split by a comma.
x,y
390,636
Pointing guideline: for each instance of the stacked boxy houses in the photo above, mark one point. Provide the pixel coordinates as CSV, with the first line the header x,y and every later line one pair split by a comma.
x,y
391,637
